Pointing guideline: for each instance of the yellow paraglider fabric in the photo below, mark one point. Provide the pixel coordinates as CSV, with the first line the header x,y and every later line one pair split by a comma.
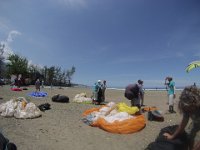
x,y
122,107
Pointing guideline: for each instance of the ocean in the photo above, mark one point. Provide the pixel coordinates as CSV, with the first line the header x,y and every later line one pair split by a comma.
x,y
147,88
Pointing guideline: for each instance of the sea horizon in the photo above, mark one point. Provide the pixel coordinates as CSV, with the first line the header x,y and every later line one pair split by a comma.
x,y
146,88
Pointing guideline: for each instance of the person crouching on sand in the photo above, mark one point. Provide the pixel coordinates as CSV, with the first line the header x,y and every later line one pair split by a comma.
x,y
133,92
189,106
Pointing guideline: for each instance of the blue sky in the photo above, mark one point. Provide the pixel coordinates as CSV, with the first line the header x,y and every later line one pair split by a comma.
x,y
120,41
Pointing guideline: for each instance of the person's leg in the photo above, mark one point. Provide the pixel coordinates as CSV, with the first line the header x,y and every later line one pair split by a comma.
x,y
94,97
103,96
142,100
99,100
171,103
132,103
136,102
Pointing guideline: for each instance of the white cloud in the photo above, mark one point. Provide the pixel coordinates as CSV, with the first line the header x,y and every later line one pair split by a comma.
x,y
7,49
12,35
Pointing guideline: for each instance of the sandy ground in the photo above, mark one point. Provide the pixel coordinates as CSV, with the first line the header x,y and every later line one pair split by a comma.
x,y
61,127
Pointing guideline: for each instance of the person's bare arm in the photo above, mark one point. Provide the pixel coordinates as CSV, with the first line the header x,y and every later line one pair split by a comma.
x,y
179,130
197,146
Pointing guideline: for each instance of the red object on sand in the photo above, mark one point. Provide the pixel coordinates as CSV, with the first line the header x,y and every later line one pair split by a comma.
x,y
16,89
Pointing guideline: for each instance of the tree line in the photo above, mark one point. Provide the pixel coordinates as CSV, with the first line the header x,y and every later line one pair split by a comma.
x,y
18,66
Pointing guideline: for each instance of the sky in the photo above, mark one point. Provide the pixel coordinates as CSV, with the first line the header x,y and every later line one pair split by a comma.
x,y
119,41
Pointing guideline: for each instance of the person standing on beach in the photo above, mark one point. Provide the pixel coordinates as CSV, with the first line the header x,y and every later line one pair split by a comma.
x,y
103,88
133,93
42,83
140,84
37,85
171,93
97,93
189,106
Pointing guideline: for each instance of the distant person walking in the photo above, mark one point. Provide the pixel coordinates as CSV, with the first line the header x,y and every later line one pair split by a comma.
x,y
133,93
37,85
171,93
103,88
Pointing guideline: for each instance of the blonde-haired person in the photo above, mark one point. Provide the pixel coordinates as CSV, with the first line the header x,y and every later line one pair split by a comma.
x,y
189,106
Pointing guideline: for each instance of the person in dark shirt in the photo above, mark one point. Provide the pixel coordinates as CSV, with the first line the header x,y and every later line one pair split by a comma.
x,y
133,92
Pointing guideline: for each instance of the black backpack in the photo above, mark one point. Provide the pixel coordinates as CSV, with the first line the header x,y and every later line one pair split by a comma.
x,y
44,107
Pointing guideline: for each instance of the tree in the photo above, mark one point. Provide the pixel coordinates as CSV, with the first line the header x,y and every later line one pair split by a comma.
x,y
34,73
51,75
17,65
69,74
44,73
2,64
58,76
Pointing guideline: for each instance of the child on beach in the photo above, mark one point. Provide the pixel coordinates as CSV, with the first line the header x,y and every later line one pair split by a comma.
x,y
189,105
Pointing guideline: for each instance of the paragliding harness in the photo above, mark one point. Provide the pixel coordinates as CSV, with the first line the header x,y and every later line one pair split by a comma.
x,y
44,107
60,98
155,115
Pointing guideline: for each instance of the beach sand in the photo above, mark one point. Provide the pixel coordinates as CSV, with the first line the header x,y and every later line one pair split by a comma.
x,y
61,127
